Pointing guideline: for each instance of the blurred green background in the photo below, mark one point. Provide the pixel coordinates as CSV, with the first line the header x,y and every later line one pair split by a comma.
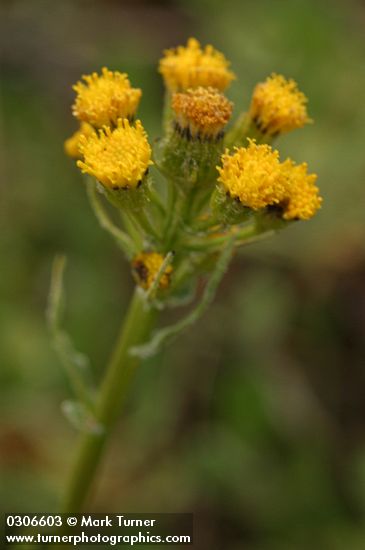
x,y
255,420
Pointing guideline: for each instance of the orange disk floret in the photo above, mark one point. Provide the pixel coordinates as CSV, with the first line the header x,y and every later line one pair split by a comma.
x,y
204,111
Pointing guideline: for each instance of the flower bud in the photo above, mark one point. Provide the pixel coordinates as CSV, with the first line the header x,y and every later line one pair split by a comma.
x,y
192,149
145,267
201,113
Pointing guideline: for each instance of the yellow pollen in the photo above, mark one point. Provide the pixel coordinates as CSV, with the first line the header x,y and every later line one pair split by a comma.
x,y
302,197
252,176
117,158
277,106
191,66
71,144
145,267
202,110
102,99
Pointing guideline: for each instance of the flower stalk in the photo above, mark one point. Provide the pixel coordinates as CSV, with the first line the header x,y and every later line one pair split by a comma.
x,y
136,328
225,188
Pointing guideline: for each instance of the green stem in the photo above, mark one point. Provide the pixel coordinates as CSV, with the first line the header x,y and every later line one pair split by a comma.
x,y
181,208
124,240
132,229
203,200
167,113
204,225
238,131
136,328
245,128
246,235
171,199
176,205
156,201
142,220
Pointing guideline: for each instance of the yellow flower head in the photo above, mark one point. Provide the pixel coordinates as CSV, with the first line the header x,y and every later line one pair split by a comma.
x,y
102,99
302,196
277,106
71,144
202,111
117,158
252,176
191,66
145,267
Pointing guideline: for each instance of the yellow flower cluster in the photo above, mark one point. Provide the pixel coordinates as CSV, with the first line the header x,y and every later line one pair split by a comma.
x,y
255,177
252,175
116,151
105,98
203,111
71,144
303,198
191,66
277,106
117,158
145,267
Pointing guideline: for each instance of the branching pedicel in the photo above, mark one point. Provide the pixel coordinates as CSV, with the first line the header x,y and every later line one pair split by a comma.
x,y
223,189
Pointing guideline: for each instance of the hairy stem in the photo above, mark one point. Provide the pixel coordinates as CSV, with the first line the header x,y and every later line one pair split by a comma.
x,y
123,239
135,329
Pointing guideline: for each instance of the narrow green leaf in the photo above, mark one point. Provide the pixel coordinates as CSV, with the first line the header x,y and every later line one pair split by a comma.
x,y
75,364
122,239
